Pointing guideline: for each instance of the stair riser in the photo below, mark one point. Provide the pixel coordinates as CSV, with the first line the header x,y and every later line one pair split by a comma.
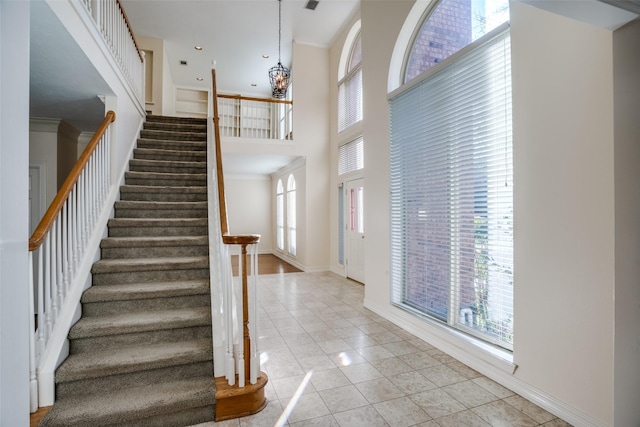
x,y
164,155
188,417
169,182
175,127
156,231
173,136
153,252
150,304
162,169
151,118
80,345
156,144
163,197
149,276
134,379
160,213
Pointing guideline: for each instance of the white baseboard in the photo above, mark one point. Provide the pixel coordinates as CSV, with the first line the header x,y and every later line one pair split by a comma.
x,y
491,366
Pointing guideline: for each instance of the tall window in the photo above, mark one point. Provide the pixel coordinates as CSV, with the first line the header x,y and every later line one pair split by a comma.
x,y
280,215
291,215
452,174
350,88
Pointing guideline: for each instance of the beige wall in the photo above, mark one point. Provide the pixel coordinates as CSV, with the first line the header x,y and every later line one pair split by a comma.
x,y
156,46
564,208
249,208
43,150
67,150
567,221
626,70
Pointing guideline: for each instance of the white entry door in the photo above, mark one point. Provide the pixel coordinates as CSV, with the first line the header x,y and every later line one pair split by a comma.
x,y
354,223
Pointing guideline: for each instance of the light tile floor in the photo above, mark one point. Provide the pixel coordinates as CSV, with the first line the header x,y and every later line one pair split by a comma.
x,y
332,362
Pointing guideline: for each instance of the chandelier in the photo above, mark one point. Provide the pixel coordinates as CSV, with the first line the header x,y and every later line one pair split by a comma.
x,y
279,76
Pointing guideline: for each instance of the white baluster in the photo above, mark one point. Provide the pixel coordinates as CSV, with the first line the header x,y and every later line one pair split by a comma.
x,y
47,288
41,315
54,272
33,383
59,263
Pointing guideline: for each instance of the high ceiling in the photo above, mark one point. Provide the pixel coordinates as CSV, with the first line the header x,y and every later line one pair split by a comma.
x,y
234,36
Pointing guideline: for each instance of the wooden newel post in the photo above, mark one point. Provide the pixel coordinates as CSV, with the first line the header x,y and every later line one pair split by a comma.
x,y
245,314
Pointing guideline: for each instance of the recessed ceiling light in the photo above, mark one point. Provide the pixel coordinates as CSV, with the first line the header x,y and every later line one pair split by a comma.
x,y
199,79
265,56
197,47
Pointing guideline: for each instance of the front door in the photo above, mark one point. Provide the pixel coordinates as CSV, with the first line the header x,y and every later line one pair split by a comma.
x,y
354,223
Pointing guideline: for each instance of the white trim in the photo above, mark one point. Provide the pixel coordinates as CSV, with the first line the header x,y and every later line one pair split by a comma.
x,y
286,170
488,363
43,124
347,47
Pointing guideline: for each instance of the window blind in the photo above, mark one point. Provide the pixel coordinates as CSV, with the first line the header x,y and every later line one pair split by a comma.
x,y
351,156
350,99
452,192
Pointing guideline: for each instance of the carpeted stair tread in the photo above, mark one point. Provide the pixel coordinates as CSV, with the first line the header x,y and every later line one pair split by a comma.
x,y
166,175
147,264
124,407
158,222
160,154
163,189
140,322
138,291
172,145
123,242
101,363
141,204
153,118
166,135
176,126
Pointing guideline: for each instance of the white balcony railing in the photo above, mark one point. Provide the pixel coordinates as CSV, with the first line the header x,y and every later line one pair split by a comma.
x,y
112,22
246,117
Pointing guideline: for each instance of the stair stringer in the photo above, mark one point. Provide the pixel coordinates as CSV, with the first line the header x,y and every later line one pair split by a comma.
x,y
57,348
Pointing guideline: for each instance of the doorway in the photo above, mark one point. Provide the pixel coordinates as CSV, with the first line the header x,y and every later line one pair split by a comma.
x,y
354,229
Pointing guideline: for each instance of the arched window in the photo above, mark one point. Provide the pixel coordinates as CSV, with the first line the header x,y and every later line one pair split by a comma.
x,y
291,215
452,171
350,81
280,215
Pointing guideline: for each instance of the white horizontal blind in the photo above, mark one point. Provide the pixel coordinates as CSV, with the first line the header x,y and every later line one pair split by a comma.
x,y
350,100
351,156
452,193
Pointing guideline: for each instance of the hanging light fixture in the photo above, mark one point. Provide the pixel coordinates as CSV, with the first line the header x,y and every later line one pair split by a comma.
x,y
279,76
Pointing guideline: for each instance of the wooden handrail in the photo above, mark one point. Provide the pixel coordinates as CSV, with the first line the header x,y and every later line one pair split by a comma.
x,y
249,98
228,239
133,37
47,220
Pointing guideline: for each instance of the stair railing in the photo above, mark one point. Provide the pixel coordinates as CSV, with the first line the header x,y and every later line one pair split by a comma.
x,y
113,24
249,117
57,246
235,303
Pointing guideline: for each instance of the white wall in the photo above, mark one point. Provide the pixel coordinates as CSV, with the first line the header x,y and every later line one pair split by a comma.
x,y
626,69
14,213
249,208
565,212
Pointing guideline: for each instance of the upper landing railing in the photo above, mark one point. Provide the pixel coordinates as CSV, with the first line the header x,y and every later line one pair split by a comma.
x,y
113,24
247,117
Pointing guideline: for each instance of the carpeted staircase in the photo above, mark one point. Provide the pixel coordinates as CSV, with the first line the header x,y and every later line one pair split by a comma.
x,y
141,355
